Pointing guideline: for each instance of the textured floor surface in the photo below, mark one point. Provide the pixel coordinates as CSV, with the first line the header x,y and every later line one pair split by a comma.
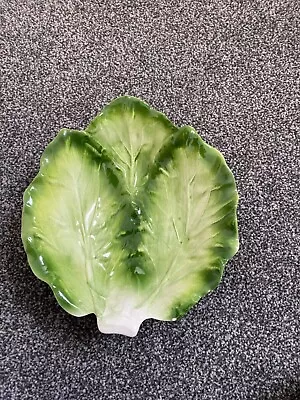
x,y
231,71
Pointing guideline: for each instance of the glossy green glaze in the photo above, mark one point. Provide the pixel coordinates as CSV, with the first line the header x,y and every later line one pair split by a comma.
x,y
132,218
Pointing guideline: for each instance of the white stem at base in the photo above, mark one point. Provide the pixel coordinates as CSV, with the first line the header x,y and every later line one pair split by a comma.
x,y
120,324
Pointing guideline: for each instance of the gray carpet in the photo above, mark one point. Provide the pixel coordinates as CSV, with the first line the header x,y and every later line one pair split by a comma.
x,y
231,71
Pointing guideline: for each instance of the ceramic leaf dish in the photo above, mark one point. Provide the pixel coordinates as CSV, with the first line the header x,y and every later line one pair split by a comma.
x,y
132,218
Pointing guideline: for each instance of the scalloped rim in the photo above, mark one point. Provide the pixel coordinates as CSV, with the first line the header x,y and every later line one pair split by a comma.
x,y
127,326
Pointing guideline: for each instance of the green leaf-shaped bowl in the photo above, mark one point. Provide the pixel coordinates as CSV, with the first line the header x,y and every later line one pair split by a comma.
x,y
132,218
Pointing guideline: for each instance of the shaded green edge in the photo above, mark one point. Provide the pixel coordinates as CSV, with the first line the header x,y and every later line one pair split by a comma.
x,y
192,138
